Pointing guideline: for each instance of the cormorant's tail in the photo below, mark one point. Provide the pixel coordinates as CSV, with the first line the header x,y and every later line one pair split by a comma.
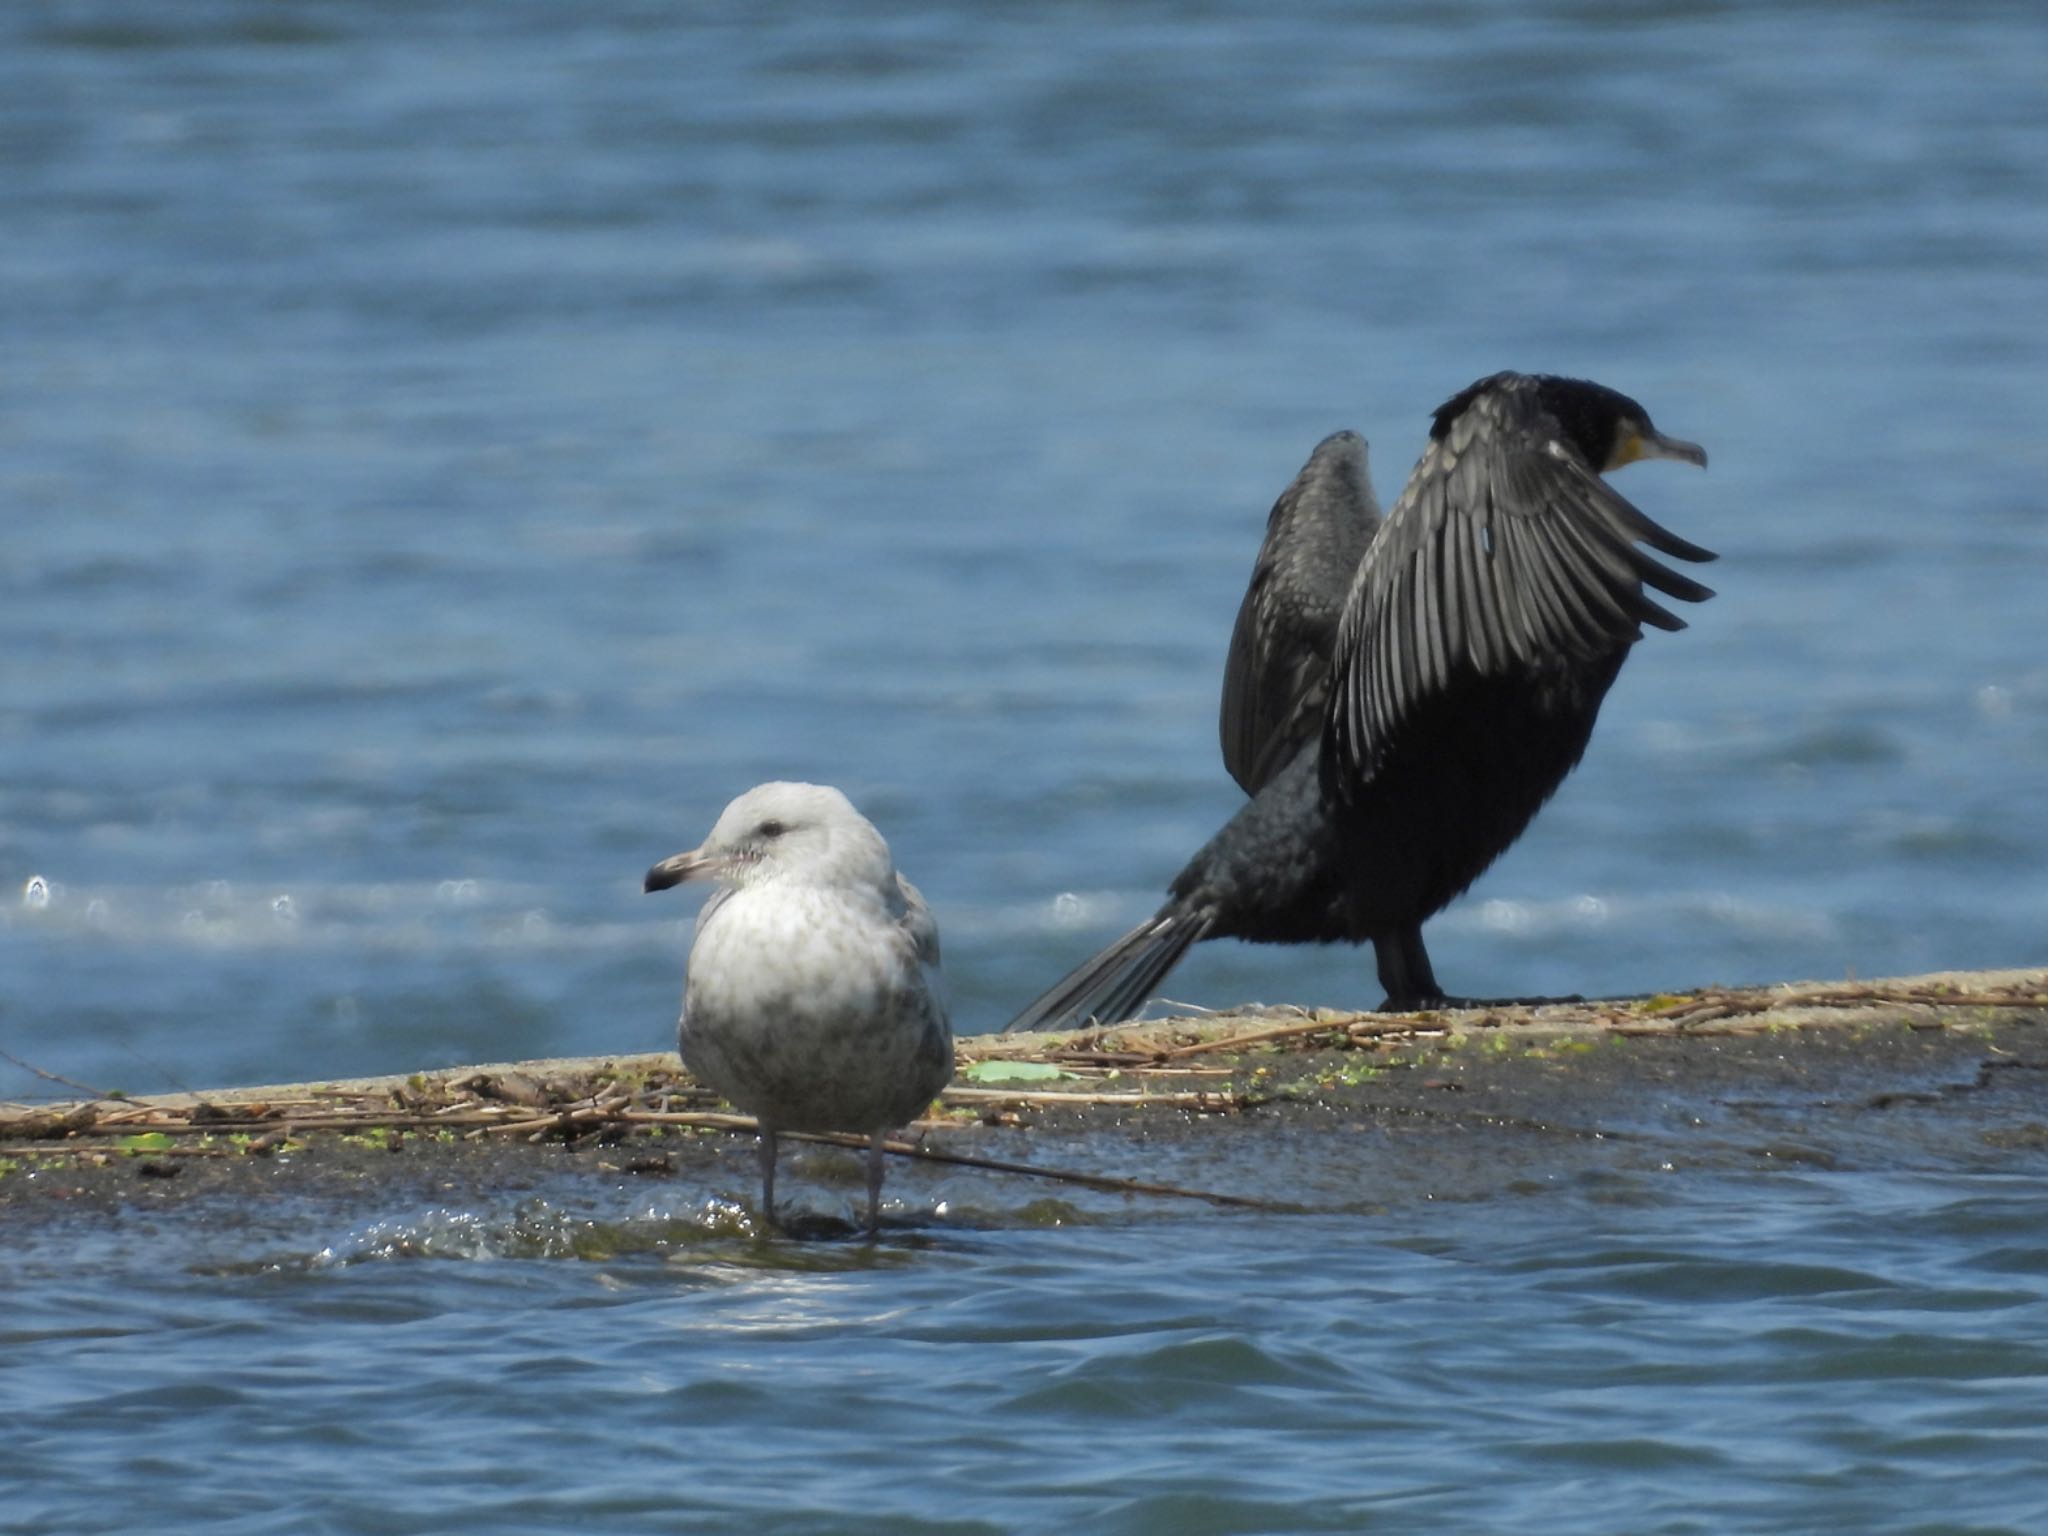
x,y
1119,981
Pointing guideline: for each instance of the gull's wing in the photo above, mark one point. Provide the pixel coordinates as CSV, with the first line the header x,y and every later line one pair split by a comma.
x,y
1277,677
1505,551
916,926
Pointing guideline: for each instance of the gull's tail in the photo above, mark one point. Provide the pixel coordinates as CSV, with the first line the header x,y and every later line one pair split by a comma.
x,y
1119,981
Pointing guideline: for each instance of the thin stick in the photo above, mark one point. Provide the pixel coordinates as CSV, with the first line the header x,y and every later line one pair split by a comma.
x,y
1054,1097
1074,1056
1278,1032
1096,1064
965,1160
54,1077
160,1069
1668,1032
133,1116
401,1122
112,1149
1068,1176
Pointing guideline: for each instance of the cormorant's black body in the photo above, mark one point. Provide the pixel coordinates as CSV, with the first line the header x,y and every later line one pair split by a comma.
x,y
1397,741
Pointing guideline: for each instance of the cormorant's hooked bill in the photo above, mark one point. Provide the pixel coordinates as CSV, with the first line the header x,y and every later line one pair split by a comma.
x,y
1403,694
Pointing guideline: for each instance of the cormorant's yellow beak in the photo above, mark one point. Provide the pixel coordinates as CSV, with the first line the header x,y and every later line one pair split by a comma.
x,y
1655,445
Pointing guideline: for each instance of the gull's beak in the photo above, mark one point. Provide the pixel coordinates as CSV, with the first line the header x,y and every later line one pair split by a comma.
x,y
694,865
1655,445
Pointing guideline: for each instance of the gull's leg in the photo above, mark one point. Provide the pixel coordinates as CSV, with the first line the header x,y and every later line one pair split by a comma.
x,y
875,1183
767,1177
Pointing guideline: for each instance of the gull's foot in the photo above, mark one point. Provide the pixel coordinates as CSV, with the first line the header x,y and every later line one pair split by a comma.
x,y
802,1226
817,1227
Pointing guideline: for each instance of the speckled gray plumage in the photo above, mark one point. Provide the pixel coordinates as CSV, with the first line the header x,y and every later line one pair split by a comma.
x,y
814,999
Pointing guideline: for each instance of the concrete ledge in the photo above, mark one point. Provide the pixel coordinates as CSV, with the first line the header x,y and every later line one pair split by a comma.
x,y
1250,1107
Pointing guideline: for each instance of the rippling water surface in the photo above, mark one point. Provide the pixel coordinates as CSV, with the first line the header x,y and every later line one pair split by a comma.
x,y
448,451
1834,1352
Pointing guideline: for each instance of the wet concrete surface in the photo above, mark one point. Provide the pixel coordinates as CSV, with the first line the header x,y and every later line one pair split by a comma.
x,y
1460,1109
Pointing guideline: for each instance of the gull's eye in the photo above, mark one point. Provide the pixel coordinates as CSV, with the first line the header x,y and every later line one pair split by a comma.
x,y
771,828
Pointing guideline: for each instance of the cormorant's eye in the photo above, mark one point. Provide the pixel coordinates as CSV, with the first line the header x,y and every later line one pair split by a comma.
x,y
771,828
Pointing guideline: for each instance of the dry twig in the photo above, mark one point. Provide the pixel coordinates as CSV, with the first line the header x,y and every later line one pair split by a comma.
x,y
967,1160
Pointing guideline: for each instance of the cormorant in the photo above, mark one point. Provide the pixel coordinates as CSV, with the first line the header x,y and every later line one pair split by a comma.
x,y
1477,635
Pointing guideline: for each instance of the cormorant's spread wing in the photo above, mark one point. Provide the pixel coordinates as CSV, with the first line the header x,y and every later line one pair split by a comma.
x,y
1277,678
1505,551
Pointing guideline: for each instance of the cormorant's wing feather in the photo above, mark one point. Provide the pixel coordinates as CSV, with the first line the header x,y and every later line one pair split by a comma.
x,y
1660,538
1276,680
1505,550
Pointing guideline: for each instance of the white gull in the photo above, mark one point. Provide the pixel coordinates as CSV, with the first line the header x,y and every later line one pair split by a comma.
x,y
813,999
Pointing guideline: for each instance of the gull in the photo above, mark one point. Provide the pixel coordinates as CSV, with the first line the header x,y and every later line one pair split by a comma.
x,y
813,999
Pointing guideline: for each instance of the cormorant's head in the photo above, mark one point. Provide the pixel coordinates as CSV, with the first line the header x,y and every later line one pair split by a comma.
x,y
1606,427
1609,428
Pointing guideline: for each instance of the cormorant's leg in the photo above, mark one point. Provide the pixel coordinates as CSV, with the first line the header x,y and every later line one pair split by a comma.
x,y
875,1183
1411,984
767,1177
1405,972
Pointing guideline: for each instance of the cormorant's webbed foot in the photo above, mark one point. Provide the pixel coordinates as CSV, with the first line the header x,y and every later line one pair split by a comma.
x,y
1432,1004
1417,1004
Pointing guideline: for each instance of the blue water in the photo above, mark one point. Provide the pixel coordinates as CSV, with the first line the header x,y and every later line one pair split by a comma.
x,y
1848,1351
448,451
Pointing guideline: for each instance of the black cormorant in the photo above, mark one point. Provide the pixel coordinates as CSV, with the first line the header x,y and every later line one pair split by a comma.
x,y
1397,740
